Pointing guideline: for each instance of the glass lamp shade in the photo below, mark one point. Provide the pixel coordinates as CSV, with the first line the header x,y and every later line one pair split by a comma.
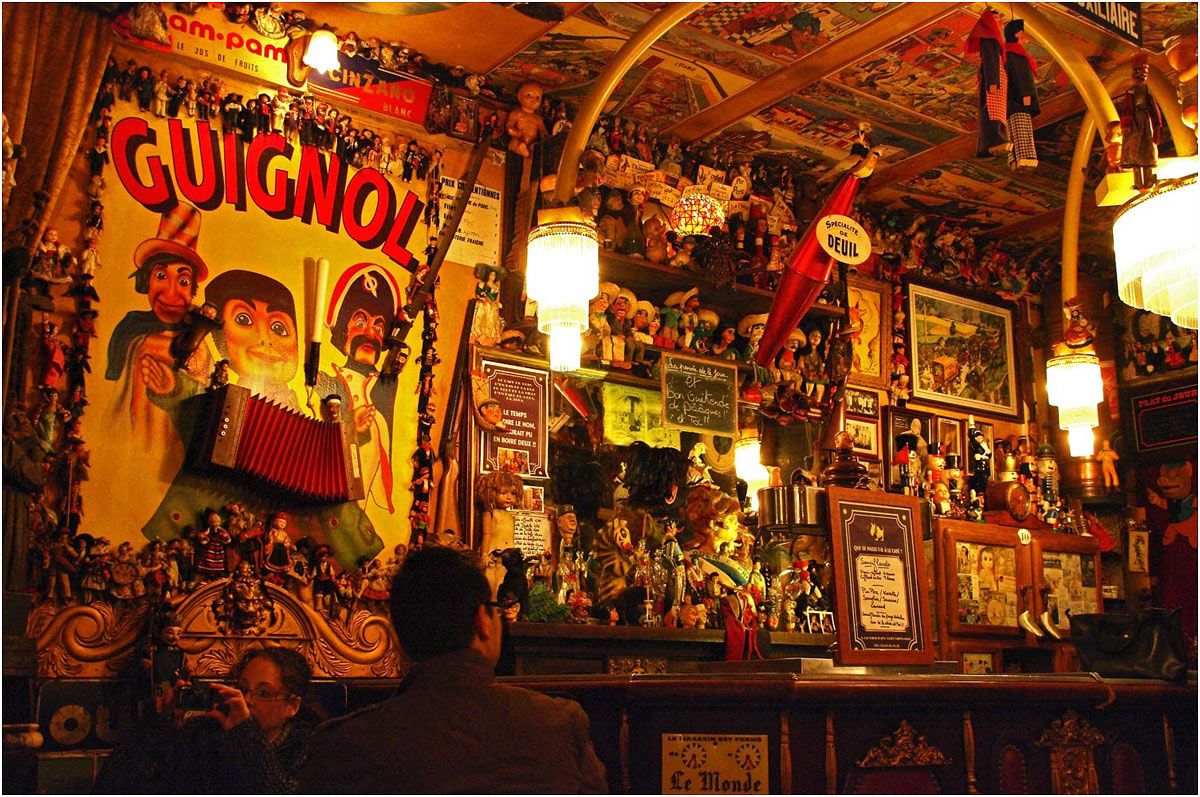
x,y
1082,441
1155,240
696,213
322,51
1075,387
747,454
562,275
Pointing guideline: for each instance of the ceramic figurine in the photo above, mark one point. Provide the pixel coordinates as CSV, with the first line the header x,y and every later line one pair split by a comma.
x,y
525,125
812,366
487,324
1107,458
212,544
981,459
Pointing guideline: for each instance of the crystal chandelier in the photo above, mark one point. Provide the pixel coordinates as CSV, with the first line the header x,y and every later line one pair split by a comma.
x,y
563,276
1156,240
1074,386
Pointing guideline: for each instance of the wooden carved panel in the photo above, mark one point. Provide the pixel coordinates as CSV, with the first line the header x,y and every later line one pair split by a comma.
x,y
1072,742
635,665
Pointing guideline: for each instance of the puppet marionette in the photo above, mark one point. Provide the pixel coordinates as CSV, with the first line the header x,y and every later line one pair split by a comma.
x,y
987,41
1142,125
1020,70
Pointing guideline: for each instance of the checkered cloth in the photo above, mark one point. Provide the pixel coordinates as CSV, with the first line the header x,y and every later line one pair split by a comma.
x,y
1023,154
997,100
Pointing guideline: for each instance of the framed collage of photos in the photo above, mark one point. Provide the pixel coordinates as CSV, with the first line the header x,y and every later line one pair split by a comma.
x,y
862,422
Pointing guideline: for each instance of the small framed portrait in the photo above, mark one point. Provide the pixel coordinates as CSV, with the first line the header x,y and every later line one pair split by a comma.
x,y
950,436
513,460
907,434
464,117
870,304
866,437
862,403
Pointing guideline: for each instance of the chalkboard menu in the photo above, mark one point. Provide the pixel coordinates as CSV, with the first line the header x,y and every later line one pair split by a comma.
x,y
879,576
1165,419
699,395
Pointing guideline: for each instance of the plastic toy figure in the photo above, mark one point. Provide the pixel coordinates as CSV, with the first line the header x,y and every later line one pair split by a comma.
x,y
212,544
1107,458
200,323
981,460
525,124
220,375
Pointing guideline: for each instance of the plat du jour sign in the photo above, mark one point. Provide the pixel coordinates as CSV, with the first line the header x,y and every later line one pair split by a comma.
x,y
699,763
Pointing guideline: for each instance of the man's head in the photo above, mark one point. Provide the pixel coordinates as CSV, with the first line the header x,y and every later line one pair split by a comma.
x,y
439,605
258,335
363,318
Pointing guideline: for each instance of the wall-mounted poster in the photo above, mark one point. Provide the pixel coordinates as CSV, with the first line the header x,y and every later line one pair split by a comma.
x,y
879,575
962,352
870,306
518,444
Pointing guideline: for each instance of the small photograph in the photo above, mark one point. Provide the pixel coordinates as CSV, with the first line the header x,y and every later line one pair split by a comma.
x,y
977,663
534,499
511,460
862,403
865,435
464,117
950,436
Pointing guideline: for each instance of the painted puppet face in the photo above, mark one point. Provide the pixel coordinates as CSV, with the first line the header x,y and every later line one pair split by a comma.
x,y
172,288
261,343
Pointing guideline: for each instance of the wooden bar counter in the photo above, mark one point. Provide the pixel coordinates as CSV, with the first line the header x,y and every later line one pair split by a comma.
x,y
865,732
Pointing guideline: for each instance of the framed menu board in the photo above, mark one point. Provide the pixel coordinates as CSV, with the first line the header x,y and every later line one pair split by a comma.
x,y
1067,577
984,567
879,577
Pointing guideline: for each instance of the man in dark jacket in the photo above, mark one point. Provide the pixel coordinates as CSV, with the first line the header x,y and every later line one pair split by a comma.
x,y
451,728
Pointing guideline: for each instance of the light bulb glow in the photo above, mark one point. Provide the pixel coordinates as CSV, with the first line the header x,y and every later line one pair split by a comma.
x,y
747,462
1073,380
322,51
565,346
1155,240
1082,441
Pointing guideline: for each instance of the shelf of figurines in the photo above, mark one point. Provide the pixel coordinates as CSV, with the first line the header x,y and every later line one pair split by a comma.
x,y
647,279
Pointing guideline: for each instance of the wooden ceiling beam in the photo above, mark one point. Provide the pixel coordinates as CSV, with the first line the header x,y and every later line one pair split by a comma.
x,y
871,37
964,146
1031,224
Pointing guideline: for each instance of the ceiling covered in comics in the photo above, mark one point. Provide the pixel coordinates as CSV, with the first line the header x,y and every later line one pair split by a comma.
x,y
916,90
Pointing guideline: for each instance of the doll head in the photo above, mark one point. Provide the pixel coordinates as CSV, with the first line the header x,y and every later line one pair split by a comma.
x,y
499,490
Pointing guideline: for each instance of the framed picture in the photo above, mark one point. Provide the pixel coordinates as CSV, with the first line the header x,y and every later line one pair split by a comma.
x,y
903,421
983,566
978,663
464,117
951,436
862,403
962,352
1068,569
870,303
1139,552
882,608
866,437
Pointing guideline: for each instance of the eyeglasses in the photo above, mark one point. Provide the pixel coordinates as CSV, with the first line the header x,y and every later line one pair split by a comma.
x,y
507,602
261,693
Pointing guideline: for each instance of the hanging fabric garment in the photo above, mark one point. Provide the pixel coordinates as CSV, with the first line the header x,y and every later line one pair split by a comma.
x,y
1022,98
987,42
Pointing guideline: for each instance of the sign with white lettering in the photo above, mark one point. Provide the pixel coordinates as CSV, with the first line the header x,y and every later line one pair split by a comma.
x,y
700,763
1164,420
478,237
369,86
843,239
520,446
879,575
699,395
1121,19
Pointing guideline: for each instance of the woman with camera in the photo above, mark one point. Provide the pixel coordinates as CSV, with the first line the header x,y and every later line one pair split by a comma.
x,y
220,738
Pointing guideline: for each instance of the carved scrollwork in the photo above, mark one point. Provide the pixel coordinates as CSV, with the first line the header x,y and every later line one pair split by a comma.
x,y
636,665
903,748
92,641
1071,730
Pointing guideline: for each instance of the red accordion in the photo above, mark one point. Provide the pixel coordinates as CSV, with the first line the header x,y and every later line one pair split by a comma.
x,y
307,458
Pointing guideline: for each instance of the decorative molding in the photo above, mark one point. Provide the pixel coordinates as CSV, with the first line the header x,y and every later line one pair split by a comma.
x,y
97,640
903,748
635,665
1072,741
969,750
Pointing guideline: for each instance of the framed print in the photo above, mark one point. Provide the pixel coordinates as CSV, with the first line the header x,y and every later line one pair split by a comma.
x,y
464,117
882,608
862,403
903,421
1139,556
951,437
870,304
866,436
978,663
983,567
962,352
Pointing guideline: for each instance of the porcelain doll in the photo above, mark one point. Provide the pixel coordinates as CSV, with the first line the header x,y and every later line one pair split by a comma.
x,y
525,124
487,324
498,492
